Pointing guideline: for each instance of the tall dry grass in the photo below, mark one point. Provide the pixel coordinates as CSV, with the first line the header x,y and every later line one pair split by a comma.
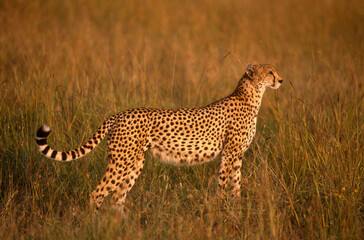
x,y
71,64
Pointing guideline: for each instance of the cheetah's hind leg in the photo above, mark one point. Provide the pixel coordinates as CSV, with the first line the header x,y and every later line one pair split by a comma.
x,y
103,189
120,176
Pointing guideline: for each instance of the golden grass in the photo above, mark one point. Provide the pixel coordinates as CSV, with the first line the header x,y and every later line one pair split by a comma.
x,y
71,64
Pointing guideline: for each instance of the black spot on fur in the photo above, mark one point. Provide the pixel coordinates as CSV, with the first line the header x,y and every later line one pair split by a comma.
x,y
54,154
45,151
41,142
42,134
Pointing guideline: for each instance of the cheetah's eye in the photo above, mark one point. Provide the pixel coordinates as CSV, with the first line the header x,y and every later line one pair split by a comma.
x,y
270,72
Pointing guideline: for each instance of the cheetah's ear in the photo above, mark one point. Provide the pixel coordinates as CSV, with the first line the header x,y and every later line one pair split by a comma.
x,y
249,70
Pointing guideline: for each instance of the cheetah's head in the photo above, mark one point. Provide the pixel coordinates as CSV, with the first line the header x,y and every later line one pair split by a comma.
x,y
263,75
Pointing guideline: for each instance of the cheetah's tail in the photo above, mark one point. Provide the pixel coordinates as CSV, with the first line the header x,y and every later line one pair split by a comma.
x,y
46,150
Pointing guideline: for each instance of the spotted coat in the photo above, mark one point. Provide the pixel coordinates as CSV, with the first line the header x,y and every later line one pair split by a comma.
x,y
181,137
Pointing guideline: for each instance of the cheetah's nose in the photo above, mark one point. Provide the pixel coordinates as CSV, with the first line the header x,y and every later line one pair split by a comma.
x,y
280,81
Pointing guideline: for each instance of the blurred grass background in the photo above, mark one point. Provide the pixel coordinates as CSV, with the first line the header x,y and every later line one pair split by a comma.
x,y
71,64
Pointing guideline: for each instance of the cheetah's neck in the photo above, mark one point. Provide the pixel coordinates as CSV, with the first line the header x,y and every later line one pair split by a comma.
x,y
249,94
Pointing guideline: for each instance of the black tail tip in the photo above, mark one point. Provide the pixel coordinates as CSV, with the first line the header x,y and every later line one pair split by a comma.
x,y
43,131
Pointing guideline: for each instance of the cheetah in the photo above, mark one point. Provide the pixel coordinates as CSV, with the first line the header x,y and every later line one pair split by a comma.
x,y
186,136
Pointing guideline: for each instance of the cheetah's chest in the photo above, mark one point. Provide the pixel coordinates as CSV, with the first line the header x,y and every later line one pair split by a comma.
x,y
250,133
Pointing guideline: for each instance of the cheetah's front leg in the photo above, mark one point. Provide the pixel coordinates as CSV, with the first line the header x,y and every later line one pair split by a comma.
x,y
230,172
235,175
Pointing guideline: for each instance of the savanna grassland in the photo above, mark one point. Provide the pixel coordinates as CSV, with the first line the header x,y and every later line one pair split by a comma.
x,y
71,64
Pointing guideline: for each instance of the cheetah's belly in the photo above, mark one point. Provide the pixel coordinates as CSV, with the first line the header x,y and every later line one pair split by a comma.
x,y
186,154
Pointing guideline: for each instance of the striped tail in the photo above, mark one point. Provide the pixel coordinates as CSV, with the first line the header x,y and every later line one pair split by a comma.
x,y
47,151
